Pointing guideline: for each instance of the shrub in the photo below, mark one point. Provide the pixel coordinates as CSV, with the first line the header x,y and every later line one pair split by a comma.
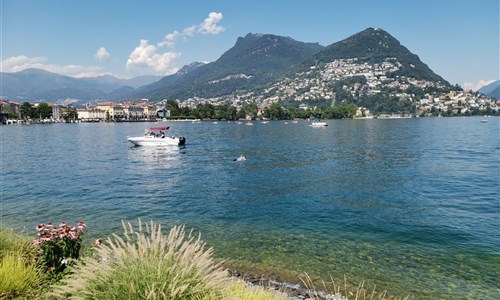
x,y
147,264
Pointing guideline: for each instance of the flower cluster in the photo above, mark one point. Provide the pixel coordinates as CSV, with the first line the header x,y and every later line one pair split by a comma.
x,y
58,244
48,232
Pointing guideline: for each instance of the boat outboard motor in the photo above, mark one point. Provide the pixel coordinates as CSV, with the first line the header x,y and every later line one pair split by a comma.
x,y
182,140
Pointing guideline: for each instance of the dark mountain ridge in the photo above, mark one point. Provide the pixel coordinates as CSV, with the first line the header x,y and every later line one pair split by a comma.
x,y
255,60
374,45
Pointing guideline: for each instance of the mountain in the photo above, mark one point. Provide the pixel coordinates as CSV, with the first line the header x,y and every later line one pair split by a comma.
x,y
492,89
255,60
369,69
167,81
375,46
28,83
39,85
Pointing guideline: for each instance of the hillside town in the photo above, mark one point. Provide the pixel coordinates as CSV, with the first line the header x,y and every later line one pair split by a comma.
x,y
360,79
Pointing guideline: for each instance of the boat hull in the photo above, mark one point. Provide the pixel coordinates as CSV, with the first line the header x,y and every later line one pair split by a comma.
x,y
157,141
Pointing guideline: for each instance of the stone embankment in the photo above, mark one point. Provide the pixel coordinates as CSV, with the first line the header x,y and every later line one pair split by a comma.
x,y
293,291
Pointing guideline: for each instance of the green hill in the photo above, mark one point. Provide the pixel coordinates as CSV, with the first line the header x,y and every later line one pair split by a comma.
x,y
255,60
374,45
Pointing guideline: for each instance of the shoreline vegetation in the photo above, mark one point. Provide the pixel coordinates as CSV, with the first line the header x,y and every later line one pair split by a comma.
x,y
140,263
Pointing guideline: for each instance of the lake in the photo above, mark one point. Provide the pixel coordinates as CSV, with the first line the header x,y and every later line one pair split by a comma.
x,y
411,205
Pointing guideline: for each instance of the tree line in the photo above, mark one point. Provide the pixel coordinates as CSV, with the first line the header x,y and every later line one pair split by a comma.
x,y
275,111
44,111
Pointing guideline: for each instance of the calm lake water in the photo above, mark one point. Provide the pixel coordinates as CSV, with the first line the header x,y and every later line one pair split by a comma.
x,y
411,205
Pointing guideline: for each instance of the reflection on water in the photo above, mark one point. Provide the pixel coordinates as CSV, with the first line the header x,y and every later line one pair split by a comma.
x,y
156,157
151,161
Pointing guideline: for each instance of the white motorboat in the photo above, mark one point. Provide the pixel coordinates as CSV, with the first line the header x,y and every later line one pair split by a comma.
x,y
155,136
318,123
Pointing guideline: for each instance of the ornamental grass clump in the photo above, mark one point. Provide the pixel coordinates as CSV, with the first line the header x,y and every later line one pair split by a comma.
x,y
12,242
145,264
241,290
19,276
343,291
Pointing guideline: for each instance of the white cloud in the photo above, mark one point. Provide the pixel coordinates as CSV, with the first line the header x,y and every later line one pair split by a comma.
x,y
22,62
145,59
102,54
476,86
209,25
190,31
169,39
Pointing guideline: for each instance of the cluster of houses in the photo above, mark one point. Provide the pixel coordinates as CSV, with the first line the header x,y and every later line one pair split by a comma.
x,y
316,82
105,111
457,103
110,111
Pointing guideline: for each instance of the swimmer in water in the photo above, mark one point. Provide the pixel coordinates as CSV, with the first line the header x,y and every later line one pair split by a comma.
x,y
241,158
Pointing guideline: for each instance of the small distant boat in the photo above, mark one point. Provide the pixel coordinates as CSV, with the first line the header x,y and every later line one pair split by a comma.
x,y
249,123
264,122
318,123
155,136
484,121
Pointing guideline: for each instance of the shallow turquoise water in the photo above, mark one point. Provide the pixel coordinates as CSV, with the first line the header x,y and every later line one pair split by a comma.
x,y
410,205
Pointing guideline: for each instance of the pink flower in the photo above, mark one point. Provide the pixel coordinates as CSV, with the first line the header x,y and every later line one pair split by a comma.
x,y
98,242
73,235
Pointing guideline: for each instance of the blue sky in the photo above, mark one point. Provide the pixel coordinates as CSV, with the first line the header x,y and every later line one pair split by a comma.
x,y
457,39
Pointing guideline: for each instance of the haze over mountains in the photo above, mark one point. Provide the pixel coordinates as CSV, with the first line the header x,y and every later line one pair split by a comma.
x,y
492,90
254,63
39,85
